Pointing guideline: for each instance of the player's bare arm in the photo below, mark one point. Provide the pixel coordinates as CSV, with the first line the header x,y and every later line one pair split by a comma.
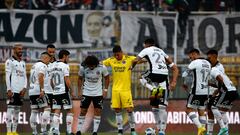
x,y
68,83
107,81
175,70
80,82
41,84
136,61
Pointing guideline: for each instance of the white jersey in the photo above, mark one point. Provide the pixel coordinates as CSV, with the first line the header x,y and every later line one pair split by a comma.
x,y
59,71
93,80
16,78
227,83
201,74
213,80
37,68
156,58
47,80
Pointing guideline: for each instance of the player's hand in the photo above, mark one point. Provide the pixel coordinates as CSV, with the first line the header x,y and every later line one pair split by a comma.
x,y
172,85
22,92
185,87
104,94
9,93
130,68
41,95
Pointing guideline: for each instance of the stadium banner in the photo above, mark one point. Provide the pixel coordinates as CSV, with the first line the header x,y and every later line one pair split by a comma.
x,y
65,29
204,31
177,120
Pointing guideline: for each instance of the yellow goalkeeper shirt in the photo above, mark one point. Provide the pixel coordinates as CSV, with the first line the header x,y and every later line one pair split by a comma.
x,y
121,75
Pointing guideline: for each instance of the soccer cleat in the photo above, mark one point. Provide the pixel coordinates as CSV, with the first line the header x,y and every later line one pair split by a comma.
x,y
161,133
44,133
223,131
133,133
160,91
15,133
78,133
9,133
201,130
154,91
94,133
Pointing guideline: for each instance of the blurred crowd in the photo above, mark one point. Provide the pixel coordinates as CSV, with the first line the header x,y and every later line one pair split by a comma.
x,y
125,5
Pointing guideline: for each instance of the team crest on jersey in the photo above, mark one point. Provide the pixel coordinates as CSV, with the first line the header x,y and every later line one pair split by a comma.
x,y
123,62
98,73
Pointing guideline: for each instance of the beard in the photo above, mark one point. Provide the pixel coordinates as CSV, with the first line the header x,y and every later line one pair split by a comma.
x,y
19,54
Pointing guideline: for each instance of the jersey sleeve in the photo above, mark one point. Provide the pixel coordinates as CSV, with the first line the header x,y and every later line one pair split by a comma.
x,y
105,71
81,71
8,70
106,62
215,72
165,55
143,53
43,69
132,58
66,70
192,65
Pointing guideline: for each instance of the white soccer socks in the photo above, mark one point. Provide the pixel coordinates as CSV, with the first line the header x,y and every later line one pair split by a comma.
x,y
33,121
69,121
45,119
10,110
81,120
119,120
96,122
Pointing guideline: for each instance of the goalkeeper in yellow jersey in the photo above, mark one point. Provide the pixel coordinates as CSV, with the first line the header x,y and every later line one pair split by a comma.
x,y
121,88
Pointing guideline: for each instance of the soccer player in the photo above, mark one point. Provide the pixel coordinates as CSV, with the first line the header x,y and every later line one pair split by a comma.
x,y
47,83
38,99
91,75
62,92
198,95
156,79
226,92
16,82
212,56
121,88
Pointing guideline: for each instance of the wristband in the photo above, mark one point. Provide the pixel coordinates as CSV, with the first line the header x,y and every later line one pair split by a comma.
x,y
106,90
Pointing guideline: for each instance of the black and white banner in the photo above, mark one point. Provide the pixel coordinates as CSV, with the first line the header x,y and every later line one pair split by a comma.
x,y
219,31
65,29
101,30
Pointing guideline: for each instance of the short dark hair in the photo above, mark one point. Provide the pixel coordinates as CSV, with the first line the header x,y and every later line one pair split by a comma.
x,y
51,46
45,53
149,41
194,50
62,53
117,49
91,60
212,51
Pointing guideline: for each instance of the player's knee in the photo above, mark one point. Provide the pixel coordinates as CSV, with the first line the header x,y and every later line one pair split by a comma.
x,y
97,111
83,111
129,110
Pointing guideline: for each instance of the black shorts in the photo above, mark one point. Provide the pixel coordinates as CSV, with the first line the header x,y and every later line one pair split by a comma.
x,y
37,103
160,101
97,101
50,98
15,100
225,99
62,101
151,77
197,101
